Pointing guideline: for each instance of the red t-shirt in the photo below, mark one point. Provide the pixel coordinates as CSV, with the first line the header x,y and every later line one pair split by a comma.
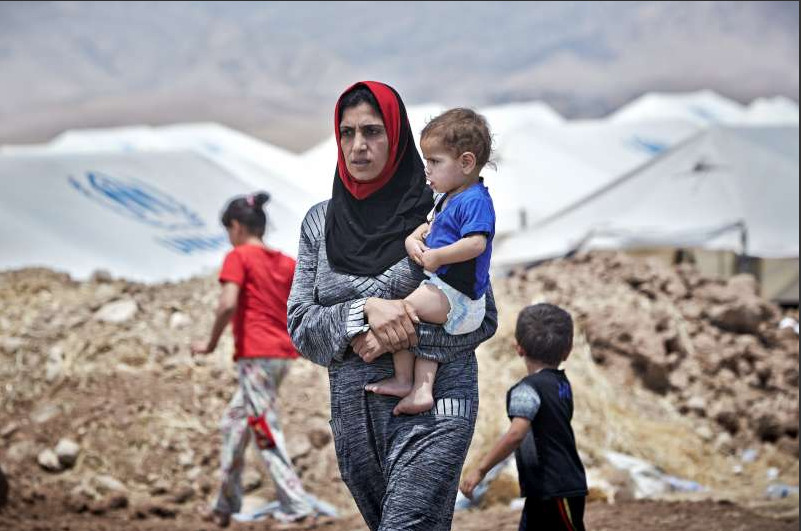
x,y
264,277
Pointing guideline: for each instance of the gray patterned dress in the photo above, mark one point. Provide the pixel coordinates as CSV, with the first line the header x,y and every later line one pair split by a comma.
x,y
403,471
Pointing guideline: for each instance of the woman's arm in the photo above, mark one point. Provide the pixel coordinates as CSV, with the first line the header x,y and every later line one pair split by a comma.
x,y
434,343
320,333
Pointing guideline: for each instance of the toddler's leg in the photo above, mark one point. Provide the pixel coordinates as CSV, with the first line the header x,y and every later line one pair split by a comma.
x,y
431,304
401,382
422,396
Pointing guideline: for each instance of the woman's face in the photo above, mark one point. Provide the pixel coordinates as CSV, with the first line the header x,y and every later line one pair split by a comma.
x,y
364,142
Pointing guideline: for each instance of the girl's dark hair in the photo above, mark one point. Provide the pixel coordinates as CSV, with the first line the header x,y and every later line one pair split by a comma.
x,y
248,211
355,96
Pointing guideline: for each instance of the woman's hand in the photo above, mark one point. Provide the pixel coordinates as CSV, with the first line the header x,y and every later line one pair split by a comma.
x,y
392,322
368,347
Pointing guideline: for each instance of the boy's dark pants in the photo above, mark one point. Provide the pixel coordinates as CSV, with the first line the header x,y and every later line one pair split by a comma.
x,y
555,514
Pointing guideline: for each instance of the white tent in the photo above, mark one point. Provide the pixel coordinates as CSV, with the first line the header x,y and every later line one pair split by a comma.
x,y
774,111
543,162
703,107
711,191
542,169
258,164
506,121
145,216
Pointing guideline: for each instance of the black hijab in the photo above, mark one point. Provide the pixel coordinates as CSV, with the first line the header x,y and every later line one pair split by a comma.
x,y
365,235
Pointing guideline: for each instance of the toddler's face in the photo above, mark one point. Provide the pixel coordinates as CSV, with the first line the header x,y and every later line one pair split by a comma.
x,y
443,170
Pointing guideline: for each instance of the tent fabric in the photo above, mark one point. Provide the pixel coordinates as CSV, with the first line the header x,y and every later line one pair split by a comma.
x,y
258,164
144,216
705,108
550,173
728,188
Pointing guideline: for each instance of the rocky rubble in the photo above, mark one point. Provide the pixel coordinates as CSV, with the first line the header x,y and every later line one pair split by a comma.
x,y
712,347
103,366
104,408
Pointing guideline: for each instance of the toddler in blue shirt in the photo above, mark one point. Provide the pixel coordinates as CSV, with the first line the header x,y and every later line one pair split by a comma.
x,y
454,248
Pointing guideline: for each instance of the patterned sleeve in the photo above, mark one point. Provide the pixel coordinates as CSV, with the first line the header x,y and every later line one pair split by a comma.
x,y
320,333
524,401
438,345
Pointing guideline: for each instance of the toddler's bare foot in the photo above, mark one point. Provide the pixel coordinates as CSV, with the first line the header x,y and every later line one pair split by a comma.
x,y
418,401
390,386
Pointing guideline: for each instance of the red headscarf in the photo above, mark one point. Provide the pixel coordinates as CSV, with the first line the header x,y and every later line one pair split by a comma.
x,y
390,112
366,223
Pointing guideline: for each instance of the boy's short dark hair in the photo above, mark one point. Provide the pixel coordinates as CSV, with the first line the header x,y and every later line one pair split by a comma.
x,y
545,332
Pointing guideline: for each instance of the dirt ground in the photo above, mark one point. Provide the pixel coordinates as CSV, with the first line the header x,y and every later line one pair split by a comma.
x,y
145,414
644,515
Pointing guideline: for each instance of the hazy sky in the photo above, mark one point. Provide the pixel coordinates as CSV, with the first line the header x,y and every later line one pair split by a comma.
x,y
67,64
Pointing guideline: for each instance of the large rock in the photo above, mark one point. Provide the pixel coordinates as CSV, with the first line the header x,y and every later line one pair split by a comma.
x,y
67,452
48,460
10,345
741,317
109,484
179,320
117,312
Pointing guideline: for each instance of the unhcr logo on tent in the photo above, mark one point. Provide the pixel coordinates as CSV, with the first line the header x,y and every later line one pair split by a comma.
x,y
649,146
144,203
137,200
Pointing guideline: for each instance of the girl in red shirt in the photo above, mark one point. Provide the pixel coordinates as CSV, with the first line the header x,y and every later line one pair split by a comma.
x,y
255,286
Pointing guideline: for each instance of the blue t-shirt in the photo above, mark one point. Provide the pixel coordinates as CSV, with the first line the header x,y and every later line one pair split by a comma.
x,y
469,212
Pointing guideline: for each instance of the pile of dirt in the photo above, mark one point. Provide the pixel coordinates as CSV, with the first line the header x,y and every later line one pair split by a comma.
x,y
713,348
690,374
105,364
105,415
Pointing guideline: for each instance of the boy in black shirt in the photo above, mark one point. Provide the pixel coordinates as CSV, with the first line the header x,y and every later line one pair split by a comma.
x,y
541,406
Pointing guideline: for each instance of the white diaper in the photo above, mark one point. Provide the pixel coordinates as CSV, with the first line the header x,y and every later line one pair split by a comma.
x,y
466,314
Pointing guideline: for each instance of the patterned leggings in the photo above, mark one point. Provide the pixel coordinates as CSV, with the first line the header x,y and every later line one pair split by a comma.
x,y
259,379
